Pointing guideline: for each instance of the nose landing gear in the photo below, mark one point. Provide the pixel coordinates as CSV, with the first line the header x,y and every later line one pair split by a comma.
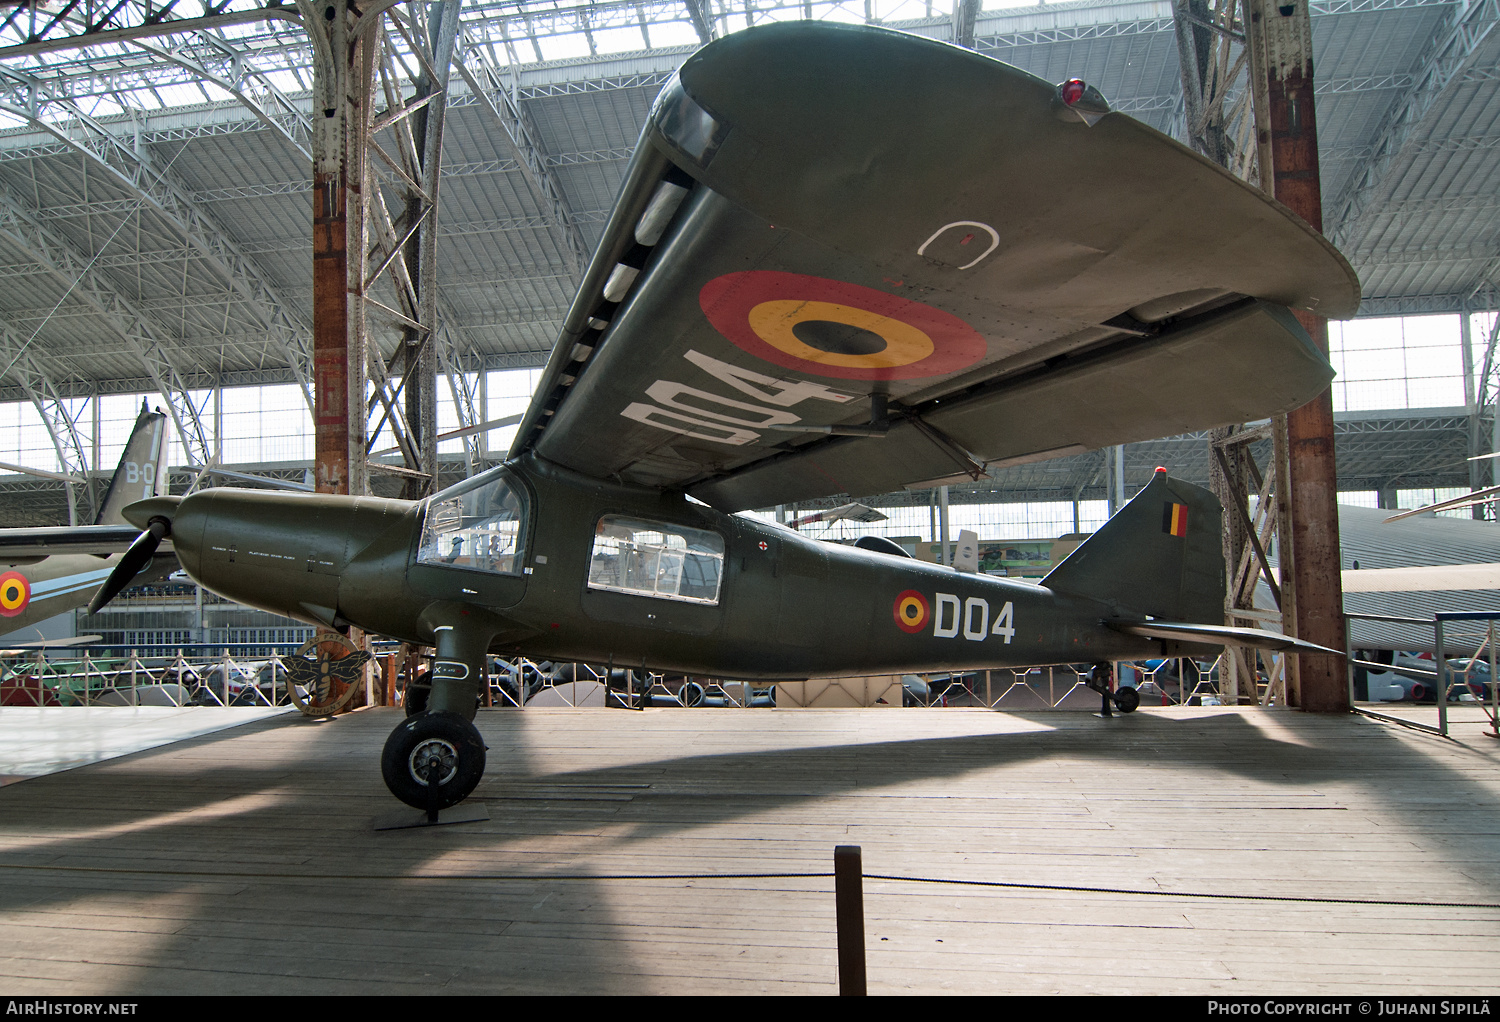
x,y
435,757
438,748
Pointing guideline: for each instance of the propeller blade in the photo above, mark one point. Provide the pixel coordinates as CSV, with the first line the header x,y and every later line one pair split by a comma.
x,y
137,557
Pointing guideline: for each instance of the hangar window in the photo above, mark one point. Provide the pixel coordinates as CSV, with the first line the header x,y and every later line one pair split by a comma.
x,y
478,524
671,562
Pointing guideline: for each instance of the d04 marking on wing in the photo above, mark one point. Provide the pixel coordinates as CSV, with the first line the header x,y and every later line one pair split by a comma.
x,y
727,420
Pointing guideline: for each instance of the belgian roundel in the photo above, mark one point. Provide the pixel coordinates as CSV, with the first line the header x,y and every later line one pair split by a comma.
x,y
834,329
15,593
911,611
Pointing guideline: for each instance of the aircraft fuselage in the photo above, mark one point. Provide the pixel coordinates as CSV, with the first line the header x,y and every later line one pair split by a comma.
x,y
33,589
785,606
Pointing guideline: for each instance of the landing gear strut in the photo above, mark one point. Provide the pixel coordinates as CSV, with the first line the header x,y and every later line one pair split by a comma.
x,y
435,757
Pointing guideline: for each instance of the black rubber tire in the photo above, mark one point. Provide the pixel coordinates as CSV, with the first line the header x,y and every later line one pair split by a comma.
x,y
417,693
452,736
1127,699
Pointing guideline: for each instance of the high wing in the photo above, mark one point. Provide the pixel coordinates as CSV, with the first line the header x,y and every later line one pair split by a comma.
x,y
848,260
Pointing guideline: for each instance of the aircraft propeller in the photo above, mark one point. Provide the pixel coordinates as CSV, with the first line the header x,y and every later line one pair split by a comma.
x,y
134,559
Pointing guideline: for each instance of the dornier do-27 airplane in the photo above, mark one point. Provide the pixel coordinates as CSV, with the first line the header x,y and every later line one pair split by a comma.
x,y
843,260
49,571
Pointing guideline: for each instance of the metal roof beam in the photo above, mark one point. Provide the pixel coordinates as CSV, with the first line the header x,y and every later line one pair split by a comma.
x,y
1455,144
1380,306
1446,59
702,15
144,336
109,23
252,89
965,12
73,455
472,61
131,167
1425,253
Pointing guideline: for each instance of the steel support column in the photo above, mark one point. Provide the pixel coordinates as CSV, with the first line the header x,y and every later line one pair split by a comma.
x,y
343,38
434,43
1282,32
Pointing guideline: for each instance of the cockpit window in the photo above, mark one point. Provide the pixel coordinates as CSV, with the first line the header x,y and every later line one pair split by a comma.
x,y
479,525
670,562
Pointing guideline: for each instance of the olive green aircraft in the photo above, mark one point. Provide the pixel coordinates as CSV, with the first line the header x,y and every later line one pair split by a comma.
x,y
49,571
843,261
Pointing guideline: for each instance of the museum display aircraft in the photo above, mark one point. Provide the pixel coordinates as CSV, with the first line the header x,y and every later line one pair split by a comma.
x,y
844,260
49,571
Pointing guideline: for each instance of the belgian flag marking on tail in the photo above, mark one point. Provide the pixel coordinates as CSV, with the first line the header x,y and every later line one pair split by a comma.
x,y
1174,519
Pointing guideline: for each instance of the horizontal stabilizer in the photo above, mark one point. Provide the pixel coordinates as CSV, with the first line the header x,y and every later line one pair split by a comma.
x,y
18,648
1219,635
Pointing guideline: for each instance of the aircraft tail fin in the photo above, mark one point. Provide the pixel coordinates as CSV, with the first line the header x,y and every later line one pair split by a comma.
x,y
142,471
1161,555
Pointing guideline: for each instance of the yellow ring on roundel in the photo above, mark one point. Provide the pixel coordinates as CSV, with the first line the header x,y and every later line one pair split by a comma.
x,y
773,322
15,593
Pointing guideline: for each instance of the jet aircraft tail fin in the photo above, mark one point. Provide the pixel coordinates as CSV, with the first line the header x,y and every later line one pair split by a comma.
x,y
1160,555
142,471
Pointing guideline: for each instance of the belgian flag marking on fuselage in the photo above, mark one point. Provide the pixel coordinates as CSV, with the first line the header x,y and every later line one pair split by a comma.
x,y
1174,519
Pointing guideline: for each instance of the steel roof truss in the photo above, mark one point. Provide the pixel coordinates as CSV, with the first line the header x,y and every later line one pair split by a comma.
x,y
252,89
1446,58
130,166
141,333
497,101
62,426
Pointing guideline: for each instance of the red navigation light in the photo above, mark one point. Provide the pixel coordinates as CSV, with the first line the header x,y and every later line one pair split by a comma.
x,y
1072,90
1160,470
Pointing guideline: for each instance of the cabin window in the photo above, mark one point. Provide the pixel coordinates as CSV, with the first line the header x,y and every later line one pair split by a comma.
x,y
670,562
479,525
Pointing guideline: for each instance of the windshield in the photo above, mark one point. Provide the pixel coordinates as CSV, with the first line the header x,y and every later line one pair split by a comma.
x,y
478,524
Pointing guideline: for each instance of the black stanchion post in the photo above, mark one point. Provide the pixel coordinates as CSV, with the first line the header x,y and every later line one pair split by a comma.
x,y
434,774
849,901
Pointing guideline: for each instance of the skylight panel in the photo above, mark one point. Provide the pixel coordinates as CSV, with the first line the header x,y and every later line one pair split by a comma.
x,y
673,33
623,40
563,46
848,14
916,10
286,80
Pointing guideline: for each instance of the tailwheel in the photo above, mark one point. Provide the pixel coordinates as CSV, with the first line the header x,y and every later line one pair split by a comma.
x,y
439,746
1126,700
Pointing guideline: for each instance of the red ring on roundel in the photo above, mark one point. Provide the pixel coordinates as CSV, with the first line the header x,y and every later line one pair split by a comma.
x,y
911,611
727,301
15,593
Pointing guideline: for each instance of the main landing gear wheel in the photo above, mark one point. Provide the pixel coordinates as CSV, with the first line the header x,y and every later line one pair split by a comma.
x,y
440,742
1126,700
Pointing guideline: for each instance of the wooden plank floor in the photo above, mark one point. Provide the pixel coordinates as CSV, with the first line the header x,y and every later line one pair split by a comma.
x,y
245,861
